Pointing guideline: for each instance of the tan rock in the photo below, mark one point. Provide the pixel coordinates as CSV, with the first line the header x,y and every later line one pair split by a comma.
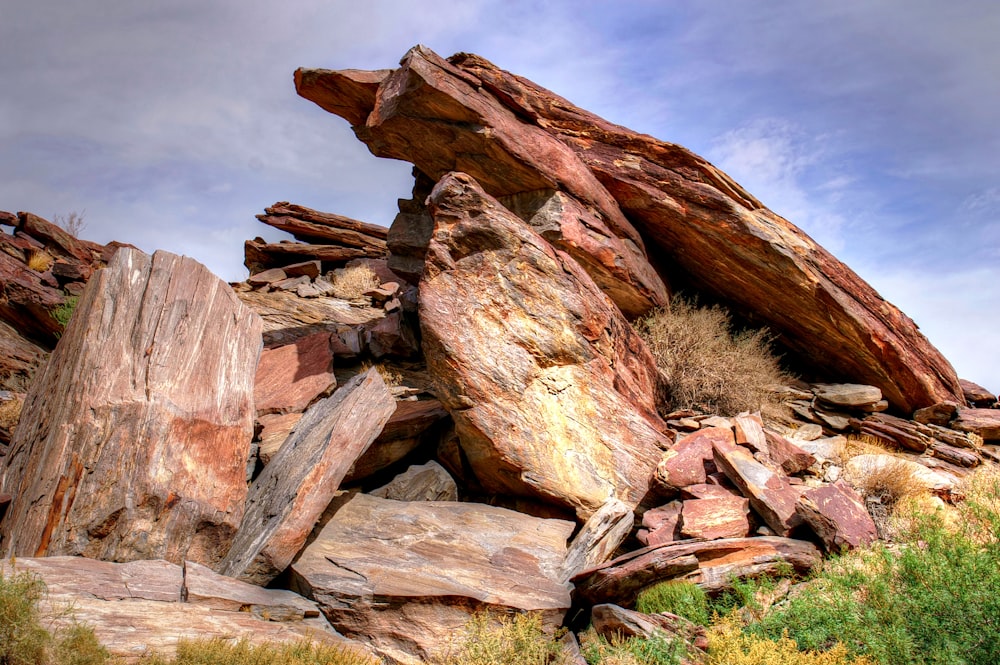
x,y
616,623
941,413
421,482
552,392
274,430
405,577
977,396
291,493
139,430
984,422
719,517
599,537
686,461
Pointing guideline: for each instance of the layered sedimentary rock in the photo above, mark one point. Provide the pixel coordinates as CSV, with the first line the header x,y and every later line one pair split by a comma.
x,y
552,392
136,435
514,137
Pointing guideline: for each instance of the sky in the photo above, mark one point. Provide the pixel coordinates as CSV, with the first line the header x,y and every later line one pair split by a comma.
x,y
873,125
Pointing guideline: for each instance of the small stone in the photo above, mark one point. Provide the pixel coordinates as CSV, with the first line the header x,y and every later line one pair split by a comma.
x,y
809,432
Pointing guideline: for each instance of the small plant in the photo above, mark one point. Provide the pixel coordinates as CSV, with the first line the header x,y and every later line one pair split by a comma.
x,y
72,223
656,650
490,638
883,484
352,282
64,312
39,260
708,365
684,599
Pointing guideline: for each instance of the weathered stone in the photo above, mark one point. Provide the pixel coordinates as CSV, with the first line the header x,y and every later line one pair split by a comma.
x,y
19,359
552,392
708,491
685,463
831,449
137,608
421,482
406,577
392,336
847,395
310,269
616,623
786,455
720,517
897,432
599,537
275,428
260,256
57,240
661,525
770,494
838,516
139,427
267,277
941,413
288,318
291,284
349,93
401,435
957,456
27,303
324,228
984,422
835,421
289,378
977,396
291,493
749,431
808,432
712,565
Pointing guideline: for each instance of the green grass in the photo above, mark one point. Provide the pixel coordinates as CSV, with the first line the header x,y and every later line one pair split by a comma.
x,y
681,598
64,312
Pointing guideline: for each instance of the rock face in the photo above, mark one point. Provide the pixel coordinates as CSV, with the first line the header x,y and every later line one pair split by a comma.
x,y
465,114
405,577
287,499
136,435
553,394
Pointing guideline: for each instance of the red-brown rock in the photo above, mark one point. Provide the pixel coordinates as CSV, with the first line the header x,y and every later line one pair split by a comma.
x,y
838,516
289,378
984,422
722,517
661,525
770,494
785,455
685,463
403,432
324,228
977,396
138,429
552,392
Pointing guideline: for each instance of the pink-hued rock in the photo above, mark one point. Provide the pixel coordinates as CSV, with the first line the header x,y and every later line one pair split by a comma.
x,y
685,463
287,499
553,393
136,435
837,515
977,396
401,435
723,517
786,455
770,494
984,422
749,431
289,378
661,525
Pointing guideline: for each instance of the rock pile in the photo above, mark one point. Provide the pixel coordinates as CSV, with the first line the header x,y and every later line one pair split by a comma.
x,y
405,426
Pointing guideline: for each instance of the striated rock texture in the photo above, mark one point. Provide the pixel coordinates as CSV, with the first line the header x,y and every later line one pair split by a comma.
x,y
552,392
136,435
514,137
406,576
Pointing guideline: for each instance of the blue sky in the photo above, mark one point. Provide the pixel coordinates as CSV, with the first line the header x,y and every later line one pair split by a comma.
x,y
872,124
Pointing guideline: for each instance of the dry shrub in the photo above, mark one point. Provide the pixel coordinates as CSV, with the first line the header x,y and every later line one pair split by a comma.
x,y
491,638
864,444
729,645
10,413
72,223
40,260
223,652
708,365
352,282
883,487
390,377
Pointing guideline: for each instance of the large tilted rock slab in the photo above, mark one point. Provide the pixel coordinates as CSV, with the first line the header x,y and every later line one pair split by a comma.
x,y
552,392
136,435
429,113
405,577
148,606
290,495
513,136
324,228
712,565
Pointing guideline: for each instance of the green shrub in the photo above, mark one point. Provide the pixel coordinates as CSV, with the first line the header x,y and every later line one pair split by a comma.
x,y
64,312
496,639
681,598
708,365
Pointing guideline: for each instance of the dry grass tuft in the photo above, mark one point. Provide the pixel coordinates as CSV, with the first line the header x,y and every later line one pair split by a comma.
x,y
40,261
390,377
492,638
10,413
708,365
222,652
352,282
885,487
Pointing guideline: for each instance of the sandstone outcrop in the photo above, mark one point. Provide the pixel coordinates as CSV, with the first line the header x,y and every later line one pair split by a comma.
x,y
405,577
552,392
136,435
514,137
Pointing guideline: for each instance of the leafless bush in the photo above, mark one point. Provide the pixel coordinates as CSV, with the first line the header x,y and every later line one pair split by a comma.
x,y
73,223
708,365
352,282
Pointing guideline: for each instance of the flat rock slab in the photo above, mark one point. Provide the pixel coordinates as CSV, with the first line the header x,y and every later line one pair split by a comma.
x,y
136,607
661,524
984,422
712,565
290,377
714,518
686,461
616,623
838,516
405,577
139,428
770,494
552,391
847,395
287,499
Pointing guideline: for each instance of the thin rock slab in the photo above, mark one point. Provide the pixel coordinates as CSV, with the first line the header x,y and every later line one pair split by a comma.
x,y
291,493
616,623
552,392
712,565
405,577
139,428
983,422
289,378
687,461
714,518
838,516
770,494
599,537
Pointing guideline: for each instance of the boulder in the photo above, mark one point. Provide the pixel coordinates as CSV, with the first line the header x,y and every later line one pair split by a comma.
x,y
149,606
847,395
138,430
941,414
290,377
714,518
686,461
553,393
291,493
712,565
977,396
405,577
770,494
421,482
984,422
838,516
